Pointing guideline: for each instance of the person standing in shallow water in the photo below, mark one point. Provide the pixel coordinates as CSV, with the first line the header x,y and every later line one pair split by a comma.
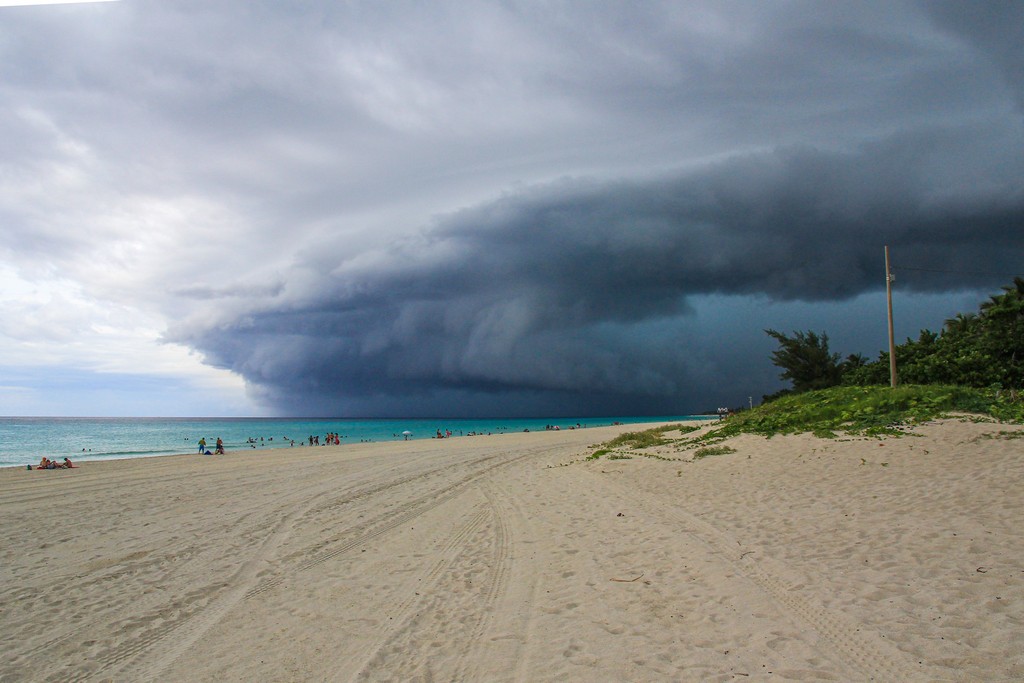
x,y
202,444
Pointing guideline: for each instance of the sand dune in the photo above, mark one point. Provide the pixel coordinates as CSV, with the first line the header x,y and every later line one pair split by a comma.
x,y
511,558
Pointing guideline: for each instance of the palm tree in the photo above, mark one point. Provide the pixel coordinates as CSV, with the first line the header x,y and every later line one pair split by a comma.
x,y
1003,331
998,303
963,323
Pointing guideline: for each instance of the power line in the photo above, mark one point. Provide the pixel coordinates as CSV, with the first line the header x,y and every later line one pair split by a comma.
x,y
955,272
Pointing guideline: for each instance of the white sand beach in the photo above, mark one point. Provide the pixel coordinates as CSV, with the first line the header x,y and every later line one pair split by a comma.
x,y
511,558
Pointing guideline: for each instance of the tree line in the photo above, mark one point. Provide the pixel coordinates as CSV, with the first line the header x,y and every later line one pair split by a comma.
x,y
983,349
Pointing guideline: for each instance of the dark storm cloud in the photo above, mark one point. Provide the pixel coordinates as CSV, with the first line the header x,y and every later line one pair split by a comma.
x,y
504,207
530,295
994,30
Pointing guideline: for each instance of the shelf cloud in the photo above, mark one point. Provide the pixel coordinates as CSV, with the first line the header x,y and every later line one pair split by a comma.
x,y
509,208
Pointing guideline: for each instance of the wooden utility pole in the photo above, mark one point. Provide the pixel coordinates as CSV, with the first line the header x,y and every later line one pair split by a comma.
x,y
892,337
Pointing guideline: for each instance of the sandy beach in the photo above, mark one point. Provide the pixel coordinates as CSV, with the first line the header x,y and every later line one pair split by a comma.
x,y
512,558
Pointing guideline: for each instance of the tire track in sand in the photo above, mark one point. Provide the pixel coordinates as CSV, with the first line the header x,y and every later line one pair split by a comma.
x,y
462,614
360,534
857,647
145,657
193,621
454,614
400,614
495,585
153,606
195,613
506,615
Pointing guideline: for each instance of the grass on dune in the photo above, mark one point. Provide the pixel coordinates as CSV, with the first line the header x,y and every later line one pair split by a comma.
x,y
647,438
867,411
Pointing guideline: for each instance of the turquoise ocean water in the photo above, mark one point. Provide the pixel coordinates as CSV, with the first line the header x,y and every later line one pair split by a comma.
x,y
24,440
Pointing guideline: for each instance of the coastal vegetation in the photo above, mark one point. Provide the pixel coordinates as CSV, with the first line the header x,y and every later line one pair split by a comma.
x,y
843,411
981,350
627,442
648,437
974,365
708,451
973,368
869,411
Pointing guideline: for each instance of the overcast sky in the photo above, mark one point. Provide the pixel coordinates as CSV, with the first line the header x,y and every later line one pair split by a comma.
x,y
489,208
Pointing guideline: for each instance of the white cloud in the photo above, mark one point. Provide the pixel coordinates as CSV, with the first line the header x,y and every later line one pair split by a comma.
x,y
20,3
53,323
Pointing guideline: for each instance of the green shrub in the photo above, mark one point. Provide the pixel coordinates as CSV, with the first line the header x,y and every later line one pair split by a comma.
x,y
648,438
872,410
712,450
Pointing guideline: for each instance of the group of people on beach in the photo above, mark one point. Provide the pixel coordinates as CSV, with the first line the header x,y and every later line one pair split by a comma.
x,y
47,464
330,439
219,450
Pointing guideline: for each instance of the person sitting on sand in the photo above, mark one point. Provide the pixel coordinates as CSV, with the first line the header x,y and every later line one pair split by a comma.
x,y
44,464
67,463
220,446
